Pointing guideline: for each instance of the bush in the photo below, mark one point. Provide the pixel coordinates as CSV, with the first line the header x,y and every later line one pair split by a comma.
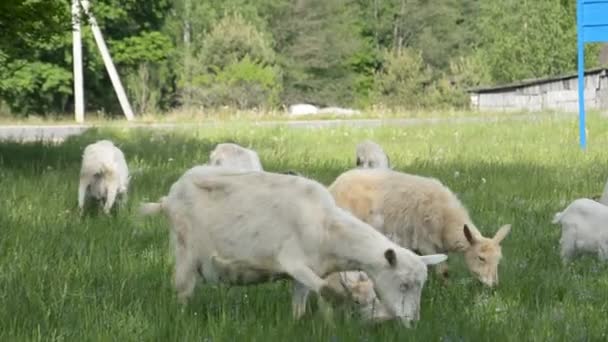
x,y
402,80
230,40
244,84
450,90
237,68
34,87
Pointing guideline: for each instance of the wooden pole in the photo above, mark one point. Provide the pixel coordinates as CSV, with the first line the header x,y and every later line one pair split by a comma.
x,y
77,63
107,60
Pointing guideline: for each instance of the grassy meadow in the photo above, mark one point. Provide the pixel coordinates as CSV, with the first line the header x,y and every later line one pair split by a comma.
x,y
97,278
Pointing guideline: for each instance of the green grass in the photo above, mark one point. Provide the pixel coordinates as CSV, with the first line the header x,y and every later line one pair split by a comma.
x,y
67,278
233,115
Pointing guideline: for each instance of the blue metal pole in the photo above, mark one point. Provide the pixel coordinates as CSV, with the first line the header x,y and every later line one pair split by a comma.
x,y
581,75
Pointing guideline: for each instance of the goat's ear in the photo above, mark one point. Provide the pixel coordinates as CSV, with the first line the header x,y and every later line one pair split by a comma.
x,y
391,257
502,233
469,235
359,161
433,259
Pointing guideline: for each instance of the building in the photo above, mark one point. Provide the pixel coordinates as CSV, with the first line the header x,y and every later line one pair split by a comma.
x,y
549,93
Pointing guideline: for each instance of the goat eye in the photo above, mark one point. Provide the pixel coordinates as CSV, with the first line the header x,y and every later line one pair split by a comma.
x,y
404,287
482,259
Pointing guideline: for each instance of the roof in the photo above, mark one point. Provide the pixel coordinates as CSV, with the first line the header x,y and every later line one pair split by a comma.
x,y
534,81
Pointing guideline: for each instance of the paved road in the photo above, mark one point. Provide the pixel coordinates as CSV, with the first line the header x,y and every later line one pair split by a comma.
x,y
60,132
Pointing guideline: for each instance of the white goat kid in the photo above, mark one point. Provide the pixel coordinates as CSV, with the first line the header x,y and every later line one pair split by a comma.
x,y
370,155
235,156
584,229
281,226
104,175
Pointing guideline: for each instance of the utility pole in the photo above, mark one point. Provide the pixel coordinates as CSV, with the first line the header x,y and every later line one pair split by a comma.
x,y
107,60
77,61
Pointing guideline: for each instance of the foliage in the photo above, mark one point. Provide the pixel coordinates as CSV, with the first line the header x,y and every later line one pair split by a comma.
x,y
236,67
231,40
35,86
242,84
29,23
402,80
317,40
540,41
316,51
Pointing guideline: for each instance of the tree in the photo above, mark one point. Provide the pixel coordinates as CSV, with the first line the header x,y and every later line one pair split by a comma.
x,y
317,42
539,41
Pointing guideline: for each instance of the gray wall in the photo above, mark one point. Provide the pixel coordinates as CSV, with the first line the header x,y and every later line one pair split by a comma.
x,y
557,95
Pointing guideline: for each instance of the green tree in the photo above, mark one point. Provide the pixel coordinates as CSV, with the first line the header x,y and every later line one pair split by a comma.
x,y
402,81
529,39
236,67
318,44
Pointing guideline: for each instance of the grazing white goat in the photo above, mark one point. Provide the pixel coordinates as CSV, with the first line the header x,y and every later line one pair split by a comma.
x,y
584,229
104,175
421,214
235,156
281,226
371,155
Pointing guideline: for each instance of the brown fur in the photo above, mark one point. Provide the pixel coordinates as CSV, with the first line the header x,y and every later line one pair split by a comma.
x,y
421,214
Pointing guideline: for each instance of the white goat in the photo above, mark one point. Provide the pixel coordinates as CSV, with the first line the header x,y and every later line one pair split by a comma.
x,y
281,226
421,214
104,175
235,156
370,155
584,229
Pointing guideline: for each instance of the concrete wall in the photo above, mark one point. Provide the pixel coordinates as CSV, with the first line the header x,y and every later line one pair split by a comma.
x,y
555,95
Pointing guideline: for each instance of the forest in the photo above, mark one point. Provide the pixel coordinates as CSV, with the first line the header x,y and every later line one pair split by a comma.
x,y
266,54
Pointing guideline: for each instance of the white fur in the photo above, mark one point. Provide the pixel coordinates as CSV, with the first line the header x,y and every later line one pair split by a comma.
x,y
235,156
282,226
584,229
104,174
370,155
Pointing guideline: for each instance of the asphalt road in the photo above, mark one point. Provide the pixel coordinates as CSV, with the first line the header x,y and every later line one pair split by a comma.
x,y
58,133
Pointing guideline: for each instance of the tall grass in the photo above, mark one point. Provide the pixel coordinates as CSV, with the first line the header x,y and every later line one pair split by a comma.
x,y
63,277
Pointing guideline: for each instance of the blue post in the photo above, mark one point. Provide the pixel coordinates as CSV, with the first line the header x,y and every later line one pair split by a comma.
x,y
581,76
591,27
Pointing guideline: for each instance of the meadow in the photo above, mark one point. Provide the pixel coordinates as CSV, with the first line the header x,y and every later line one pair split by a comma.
x,y
95,278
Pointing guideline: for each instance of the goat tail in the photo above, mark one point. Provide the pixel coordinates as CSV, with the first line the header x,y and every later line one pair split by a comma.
x,y
557,217
151,208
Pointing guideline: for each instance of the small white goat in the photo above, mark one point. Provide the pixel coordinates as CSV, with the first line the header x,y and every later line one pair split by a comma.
x,y
104,175
235,156
371,155
584,229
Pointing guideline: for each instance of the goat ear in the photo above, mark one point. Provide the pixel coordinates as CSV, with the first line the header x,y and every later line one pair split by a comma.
x,y
359,161
469,235
433,259
391,257
502,233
